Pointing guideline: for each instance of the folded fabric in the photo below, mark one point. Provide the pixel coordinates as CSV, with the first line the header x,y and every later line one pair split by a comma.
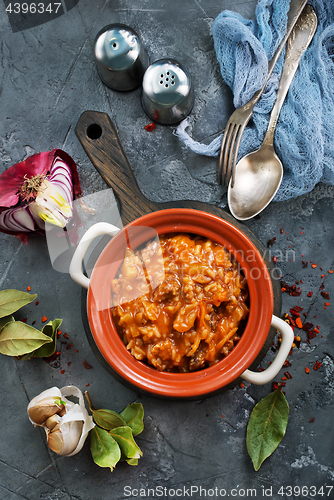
x,y
304,137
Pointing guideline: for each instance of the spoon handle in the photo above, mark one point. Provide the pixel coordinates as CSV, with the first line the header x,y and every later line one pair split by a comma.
x,y
297,43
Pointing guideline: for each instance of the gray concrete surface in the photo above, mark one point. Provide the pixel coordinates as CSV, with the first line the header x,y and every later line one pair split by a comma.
x,y
47,78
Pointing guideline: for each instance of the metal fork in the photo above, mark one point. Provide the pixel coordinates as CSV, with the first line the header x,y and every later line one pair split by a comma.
x,y
241,116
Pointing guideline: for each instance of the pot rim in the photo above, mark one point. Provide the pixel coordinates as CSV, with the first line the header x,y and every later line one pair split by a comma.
x,y
222,373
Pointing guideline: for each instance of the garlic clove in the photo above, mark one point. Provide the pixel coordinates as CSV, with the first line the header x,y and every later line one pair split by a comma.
x,y
56,441
71,432
44,409
52,421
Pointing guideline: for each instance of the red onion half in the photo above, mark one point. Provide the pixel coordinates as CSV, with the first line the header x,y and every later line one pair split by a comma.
x,y
37,190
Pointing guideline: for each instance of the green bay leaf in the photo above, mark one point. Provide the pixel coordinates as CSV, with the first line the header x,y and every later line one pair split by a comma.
x,y
266,427
133,415
124,437
105,450
12,300
107,419
17,338
50,329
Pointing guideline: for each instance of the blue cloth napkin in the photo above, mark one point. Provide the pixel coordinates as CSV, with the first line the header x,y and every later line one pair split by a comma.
x,y
304,137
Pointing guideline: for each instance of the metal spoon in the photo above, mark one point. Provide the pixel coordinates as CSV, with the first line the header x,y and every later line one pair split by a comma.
x,y
258,175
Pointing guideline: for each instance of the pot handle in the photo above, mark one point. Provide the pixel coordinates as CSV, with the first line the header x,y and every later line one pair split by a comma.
x,y
98,229
261,378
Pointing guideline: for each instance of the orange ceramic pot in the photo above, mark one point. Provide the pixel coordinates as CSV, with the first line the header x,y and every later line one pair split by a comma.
x,y
224,373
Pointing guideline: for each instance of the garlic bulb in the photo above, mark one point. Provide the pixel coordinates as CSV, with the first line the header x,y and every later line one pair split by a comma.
x,y
66,424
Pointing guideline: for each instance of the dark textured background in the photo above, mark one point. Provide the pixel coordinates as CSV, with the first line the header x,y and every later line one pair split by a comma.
x,y
47,78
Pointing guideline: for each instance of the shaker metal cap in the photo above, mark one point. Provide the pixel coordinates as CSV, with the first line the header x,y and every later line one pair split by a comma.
x,y
120,57
167,95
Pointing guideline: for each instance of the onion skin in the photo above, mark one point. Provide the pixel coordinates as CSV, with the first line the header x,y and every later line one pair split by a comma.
x,y
11,182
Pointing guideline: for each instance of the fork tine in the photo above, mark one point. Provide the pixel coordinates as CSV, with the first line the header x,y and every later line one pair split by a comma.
x,y
236,151
221,168
231,154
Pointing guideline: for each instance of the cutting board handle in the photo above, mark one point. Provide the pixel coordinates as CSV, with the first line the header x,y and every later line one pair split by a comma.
x,y
99,139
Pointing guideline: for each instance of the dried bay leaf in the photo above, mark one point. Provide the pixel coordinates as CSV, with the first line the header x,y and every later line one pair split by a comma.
x,y
124,437
107,419
105,450
17,338
131,461
5,319
266,427
12,300
50,329
133,415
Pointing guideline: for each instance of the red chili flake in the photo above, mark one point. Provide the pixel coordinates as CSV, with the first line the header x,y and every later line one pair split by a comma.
x,y
307,370
69,363
314,265
44,318
65,335
295,311
286,363
275,259
322,276
86,365
291,290
69,346
28,288
310,294
299,323
284,378
288,375
62,371
316,330
331,271
24,320
271,241
325,295
76,350
37,302
304,264
242,385
307,326
276,386
87,385
150,127
327,303
281,230
312,420
57,353
322,286
317,365
58,335
33,322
